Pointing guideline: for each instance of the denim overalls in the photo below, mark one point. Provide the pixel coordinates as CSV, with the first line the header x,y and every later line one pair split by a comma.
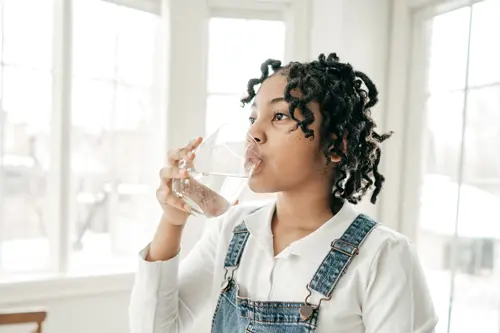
x,y
235,314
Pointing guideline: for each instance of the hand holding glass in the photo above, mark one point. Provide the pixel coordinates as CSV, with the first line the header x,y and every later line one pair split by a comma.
x,y
220,171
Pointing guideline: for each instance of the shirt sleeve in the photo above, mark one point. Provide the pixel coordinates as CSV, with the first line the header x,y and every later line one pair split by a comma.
x,y
168,296
397,298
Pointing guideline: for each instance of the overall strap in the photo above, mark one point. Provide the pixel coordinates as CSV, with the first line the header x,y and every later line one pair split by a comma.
x,y
342,252
237,245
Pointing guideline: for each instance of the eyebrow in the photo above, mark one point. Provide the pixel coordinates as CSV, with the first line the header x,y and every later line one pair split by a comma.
x,y
272,101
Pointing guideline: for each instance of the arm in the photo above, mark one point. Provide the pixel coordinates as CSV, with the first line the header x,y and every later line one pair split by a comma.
x,y
397,297
167,295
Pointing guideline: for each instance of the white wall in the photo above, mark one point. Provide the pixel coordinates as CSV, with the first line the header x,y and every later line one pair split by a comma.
x,y
358,30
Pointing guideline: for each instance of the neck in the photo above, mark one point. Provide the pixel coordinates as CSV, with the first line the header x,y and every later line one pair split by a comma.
x,y
306,209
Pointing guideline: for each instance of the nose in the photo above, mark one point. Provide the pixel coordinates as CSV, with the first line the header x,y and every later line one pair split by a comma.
x,y
257,133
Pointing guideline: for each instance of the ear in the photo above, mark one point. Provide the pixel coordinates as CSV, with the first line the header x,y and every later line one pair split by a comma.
x,y
336,158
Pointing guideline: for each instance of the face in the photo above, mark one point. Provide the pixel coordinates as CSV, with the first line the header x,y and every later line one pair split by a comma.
x,y
288,160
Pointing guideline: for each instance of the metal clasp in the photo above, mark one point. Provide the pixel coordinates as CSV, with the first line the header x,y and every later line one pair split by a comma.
x,y
307,309
354,252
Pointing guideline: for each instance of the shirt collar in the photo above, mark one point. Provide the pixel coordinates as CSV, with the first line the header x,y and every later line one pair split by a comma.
x,y
258,223
316,245
312,247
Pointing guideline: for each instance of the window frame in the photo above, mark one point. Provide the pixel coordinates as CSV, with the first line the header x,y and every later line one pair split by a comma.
x,y
60,207
413,152
415,119
166,89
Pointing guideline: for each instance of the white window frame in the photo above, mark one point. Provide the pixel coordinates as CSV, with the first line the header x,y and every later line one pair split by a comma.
x,y
150,6
187,56
59,209
412,175
187,59
295,14
172,85
414,125
397,204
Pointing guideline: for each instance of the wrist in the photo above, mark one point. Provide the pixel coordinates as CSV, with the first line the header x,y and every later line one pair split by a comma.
x,y
166,242
176,218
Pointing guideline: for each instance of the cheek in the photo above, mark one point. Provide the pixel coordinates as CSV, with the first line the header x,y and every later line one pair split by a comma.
x,y
297,152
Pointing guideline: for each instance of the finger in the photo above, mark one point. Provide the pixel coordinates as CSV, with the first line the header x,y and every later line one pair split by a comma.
x,y
166,197
193,144
175,155
172,172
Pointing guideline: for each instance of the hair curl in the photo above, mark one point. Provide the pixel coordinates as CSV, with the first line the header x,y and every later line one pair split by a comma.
x,y
345,107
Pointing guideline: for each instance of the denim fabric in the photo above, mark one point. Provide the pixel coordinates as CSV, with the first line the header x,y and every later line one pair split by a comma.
x,y
235,314
236,246
342,252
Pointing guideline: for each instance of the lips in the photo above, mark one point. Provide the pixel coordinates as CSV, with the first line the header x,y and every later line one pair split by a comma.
x,y
252,162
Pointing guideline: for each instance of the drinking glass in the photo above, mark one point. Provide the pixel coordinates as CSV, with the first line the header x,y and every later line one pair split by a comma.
x,y
223,163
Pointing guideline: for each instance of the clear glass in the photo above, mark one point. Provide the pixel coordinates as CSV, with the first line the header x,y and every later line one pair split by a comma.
x,y
219,172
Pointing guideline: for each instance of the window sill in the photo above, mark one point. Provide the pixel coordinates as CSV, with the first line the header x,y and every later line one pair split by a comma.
x,y
63,287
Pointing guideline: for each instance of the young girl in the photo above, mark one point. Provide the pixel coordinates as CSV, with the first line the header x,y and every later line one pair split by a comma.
x,y
308,262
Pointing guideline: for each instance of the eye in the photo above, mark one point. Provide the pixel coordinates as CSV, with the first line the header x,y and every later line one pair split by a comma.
x,y
251,120
280,116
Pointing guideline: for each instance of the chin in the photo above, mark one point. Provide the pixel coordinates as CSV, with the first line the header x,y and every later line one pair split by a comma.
x,y
259,185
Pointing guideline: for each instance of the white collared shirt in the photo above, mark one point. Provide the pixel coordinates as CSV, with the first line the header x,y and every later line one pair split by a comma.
x,y
383,291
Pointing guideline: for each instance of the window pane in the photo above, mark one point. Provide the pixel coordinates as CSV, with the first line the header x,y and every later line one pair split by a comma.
x,y
112,173
136,45
444,133
484,53
439,192
114,140
94,38
92,104
224,109
25,163
448,50
482,137
237,48
477,280
28,33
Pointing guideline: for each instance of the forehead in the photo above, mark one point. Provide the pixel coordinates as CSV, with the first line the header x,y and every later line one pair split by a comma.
x,y
272,87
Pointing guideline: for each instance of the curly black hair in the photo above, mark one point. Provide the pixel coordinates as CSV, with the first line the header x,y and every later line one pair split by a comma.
x,y
345,107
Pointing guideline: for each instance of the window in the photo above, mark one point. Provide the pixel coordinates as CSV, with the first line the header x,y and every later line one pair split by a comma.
x,y
237,48
458,230
25,133
113,51
113,138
